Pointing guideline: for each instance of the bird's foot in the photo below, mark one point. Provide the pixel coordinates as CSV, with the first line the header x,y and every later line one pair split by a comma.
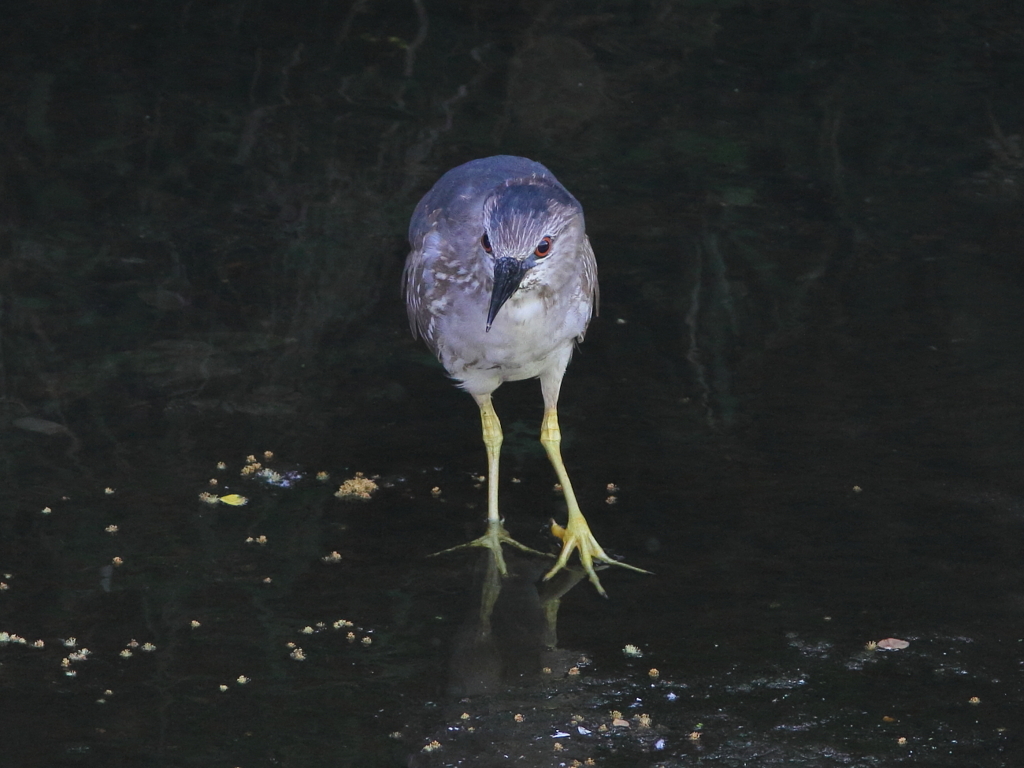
x,y
577,535
496,536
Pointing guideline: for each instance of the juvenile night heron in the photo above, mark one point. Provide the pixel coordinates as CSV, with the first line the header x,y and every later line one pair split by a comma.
x,y
501,283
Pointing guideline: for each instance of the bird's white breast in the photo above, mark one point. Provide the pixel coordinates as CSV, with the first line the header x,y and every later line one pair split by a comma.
x,y
530,335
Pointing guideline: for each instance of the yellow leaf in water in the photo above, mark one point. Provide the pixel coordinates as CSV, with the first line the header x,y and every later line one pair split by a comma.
x,y
234,500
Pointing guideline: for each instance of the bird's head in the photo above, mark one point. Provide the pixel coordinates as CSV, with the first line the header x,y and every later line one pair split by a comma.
x,y
532,228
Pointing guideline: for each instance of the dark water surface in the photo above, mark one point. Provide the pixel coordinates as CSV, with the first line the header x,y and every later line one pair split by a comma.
x,y
805,384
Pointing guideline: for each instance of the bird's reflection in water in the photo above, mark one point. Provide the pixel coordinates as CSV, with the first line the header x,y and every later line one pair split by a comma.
x,y
510,633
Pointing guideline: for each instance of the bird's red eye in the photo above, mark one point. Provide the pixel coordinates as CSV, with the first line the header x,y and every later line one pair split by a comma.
x,y
485,243
543,248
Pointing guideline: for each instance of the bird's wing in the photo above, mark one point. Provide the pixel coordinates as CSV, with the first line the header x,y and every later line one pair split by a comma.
x,y
413,291
588,280
418,286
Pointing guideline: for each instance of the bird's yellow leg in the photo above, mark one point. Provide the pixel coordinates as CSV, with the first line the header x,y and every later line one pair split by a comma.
x,y
576,534
496,534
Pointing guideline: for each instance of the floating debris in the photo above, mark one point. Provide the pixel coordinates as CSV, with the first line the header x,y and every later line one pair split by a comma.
x,y
269,475
281,480
893,644
359,487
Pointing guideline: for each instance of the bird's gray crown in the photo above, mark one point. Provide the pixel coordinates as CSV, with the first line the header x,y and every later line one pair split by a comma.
x,y
521,211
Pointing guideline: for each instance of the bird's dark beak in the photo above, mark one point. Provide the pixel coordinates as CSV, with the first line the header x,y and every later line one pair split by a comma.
x,y
508,272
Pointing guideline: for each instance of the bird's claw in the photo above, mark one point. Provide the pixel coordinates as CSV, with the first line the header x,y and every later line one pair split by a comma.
x,y
577,535
496,536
